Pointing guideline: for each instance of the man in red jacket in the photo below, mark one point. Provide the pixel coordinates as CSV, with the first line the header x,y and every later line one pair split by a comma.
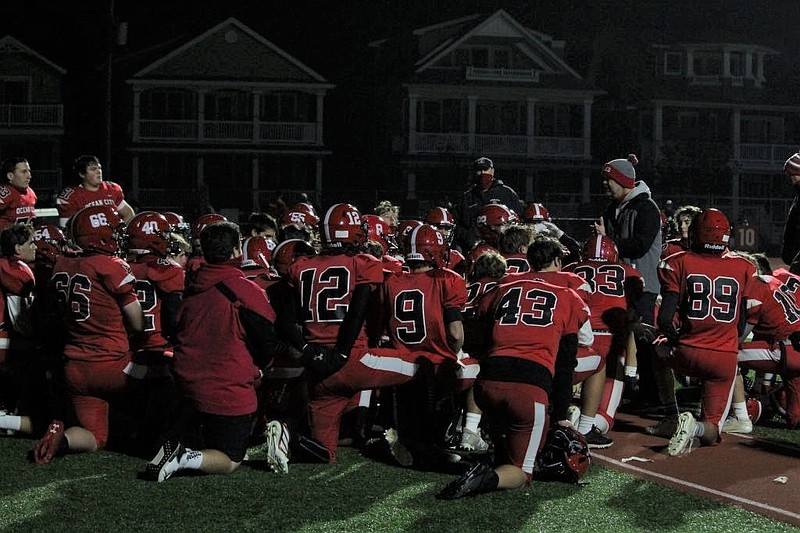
x,y
218,359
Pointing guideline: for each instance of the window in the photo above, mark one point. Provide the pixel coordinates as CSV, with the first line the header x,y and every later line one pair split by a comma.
x,y
707,63
228,105
500,59
288,107
442,116
161,104
14,91
502,118
673,63
762,129
558,120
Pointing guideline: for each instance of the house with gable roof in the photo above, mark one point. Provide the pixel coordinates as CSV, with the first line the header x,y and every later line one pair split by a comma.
x,y
486,86
707,100
32,113
228,115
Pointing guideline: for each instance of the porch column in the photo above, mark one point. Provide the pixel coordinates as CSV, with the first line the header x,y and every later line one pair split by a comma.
x,y
256,134
472,122
587,129
320,114
201,114
412,123
137,97
530,133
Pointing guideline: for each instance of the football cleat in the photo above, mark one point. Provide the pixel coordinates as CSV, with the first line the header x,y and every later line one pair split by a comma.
x,y
596,440
737,425
480,478
681,441
277,435
166,462
48,446
665,427
471,441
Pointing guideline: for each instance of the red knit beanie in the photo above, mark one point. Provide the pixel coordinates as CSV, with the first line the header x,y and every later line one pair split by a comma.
x,y
621,171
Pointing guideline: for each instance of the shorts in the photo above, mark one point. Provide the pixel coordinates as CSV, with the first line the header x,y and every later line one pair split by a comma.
x,y
227,434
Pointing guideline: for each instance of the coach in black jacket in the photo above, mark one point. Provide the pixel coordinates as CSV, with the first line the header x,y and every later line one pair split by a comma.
x,y
791,232
486,189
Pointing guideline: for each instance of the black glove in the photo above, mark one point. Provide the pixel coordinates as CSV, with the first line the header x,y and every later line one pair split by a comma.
x,y
321,360
671,334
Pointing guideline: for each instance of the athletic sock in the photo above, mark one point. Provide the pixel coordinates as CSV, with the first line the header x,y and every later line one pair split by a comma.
x,y
602,424
585,424
472,422
740,410
11,422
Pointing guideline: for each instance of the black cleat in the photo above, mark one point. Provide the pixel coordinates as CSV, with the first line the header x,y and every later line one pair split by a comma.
x,y
480,478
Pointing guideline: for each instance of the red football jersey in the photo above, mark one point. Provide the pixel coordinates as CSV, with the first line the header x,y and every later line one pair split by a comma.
x,y
325,284
16,279
92,291
561,278
607,282
73,199
673,246
530,317
711,288
155,278
16,205
772,305
474,291
416,303
516,263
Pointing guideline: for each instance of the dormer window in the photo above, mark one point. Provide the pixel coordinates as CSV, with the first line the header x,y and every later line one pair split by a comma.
x,y
673,63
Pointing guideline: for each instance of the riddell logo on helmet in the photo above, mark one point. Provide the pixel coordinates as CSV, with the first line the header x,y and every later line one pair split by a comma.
x,y
714,247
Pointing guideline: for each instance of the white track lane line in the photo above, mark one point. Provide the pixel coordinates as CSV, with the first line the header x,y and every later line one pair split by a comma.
x,y
700,488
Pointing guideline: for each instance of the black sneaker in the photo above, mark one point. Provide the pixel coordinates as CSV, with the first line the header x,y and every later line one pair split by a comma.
x,y
480,478
596,440
166,462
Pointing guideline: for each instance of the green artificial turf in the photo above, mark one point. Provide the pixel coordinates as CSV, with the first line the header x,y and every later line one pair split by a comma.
x,y
101,492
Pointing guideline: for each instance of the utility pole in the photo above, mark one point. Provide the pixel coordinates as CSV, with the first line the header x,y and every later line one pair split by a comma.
x,y
110,43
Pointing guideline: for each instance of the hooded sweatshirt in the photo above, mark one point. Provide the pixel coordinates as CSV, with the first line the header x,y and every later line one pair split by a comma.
x,y
635,225
211,358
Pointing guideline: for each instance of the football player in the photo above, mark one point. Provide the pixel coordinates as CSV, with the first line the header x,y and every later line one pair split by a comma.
x,y
16,326
514,246
17,199
773,317
92,191
528,370
159,288
97,297
492,221
423,307
224,337
679,238
614,286
702,292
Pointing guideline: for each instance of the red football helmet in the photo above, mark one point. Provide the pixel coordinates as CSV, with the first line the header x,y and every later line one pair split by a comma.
x,y
343,225
257,252
50,242
565,454
441,219
378,230
491,220
426,243
600,248
203,221
535,213
287,251
709,232
97,228
148,232
404,228
300,215
178,225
